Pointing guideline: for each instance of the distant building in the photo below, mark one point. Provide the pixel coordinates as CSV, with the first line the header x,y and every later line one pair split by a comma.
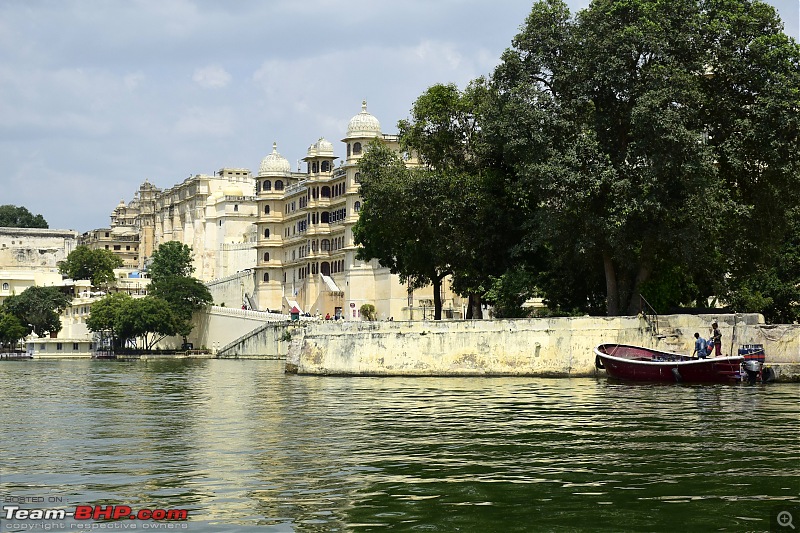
x,y
130,235
29,257
216,216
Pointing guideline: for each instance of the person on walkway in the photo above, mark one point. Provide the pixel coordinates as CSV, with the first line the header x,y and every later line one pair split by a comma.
x,y
716,339
699,346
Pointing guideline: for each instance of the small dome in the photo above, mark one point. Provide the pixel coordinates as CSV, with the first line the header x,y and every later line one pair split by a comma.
x,y
274,163
232,190
363,124
321,148
213,197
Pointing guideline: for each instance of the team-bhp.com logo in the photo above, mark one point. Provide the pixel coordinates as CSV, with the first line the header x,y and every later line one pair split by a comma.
x,y
94,512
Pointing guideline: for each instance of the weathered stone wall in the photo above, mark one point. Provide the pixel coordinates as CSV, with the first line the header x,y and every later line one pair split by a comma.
x,y
535,347
217,327
270,341
35,248
230,290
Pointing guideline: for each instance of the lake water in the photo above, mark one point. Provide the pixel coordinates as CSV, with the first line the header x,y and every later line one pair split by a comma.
x,y
243,447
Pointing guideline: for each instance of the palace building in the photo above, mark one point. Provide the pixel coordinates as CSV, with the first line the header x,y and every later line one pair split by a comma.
x,y
284,236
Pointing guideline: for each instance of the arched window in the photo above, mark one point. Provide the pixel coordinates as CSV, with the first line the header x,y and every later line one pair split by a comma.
x,y
267,185
258,186
266,233
326,192
326,217
356,148
357,177
326,166
266,276
357,206
5,286
278,185
325,245
266,210
266,256
236,207
326,269
316,167
348,149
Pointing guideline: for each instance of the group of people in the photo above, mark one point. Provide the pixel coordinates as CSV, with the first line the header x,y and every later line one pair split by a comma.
x,y
703,347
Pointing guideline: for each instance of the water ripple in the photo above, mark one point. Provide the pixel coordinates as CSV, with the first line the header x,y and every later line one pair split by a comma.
x,y
246,447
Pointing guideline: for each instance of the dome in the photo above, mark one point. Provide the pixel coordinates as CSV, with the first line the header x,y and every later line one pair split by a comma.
x,y
213,197
321,148
232,190
363,124
274,163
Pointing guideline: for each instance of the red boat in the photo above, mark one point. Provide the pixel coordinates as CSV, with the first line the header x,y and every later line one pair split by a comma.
x,y
636,363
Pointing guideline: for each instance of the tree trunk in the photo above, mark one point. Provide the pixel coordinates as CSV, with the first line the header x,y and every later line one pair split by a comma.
x,y
474,310
437,296
641,277
612,291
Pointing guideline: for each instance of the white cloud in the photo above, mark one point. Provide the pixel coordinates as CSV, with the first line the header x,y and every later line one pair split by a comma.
x,y
205,122
211,77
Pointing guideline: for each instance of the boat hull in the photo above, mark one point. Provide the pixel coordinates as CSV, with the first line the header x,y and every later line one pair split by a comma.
x,y
633,363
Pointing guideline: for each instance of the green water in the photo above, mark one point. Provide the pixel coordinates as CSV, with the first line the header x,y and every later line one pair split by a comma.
x,y
244,447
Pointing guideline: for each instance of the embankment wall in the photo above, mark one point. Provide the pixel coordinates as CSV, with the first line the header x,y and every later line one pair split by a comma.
x,y
557,347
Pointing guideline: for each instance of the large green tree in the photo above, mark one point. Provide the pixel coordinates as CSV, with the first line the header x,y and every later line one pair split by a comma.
x,y
95,265
11,329
443,133
185,295
641,136
12,216
150,319
398,224
170,271
171,259
105,315
38,309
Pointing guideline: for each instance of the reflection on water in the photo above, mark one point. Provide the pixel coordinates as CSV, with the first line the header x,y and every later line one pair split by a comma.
x,y
244,446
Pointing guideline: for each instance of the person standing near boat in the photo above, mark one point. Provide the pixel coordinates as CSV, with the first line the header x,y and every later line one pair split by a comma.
x,y
699,346
716,340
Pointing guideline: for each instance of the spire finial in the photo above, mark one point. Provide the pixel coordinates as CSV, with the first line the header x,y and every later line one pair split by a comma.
x,y
363,106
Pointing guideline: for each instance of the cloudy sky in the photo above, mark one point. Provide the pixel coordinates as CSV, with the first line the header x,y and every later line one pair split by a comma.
x,y
96,97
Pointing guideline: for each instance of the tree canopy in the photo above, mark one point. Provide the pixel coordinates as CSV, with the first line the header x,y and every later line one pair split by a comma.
x,y
150,319
12,216
38,309
95,265
172,282
171,259
640,147
646,140
11,329
185,295
105,315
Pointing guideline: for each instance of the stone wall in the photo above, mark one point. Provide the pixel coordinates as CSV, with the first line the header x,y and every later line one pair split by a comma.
x,y
217,327
230,290
557,347
35,248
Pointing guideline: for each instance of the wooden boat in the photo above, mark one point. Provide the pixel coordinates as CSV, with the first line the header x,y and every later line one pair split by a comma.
x,y
636,363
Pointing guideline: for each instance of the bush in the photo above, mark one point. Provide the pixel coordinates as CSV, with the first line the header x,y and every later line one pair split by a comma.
x,y
368,312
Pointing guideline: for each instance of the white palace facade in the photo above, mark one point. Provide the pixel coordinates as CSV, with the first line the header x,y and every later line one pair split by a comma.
x,y
283,239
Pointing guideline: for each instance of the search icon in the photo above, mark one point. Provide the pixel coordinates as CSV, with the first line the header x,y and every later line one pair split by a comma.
x,y
785,519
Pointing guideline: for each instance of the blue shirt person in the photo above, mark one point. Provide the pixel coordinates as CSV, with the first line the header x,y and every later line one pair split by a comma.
x,y
699,346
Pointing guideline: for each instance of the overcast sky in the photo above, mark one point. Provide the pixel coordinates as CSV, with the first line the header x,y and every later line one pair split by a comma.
x,y
96,97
